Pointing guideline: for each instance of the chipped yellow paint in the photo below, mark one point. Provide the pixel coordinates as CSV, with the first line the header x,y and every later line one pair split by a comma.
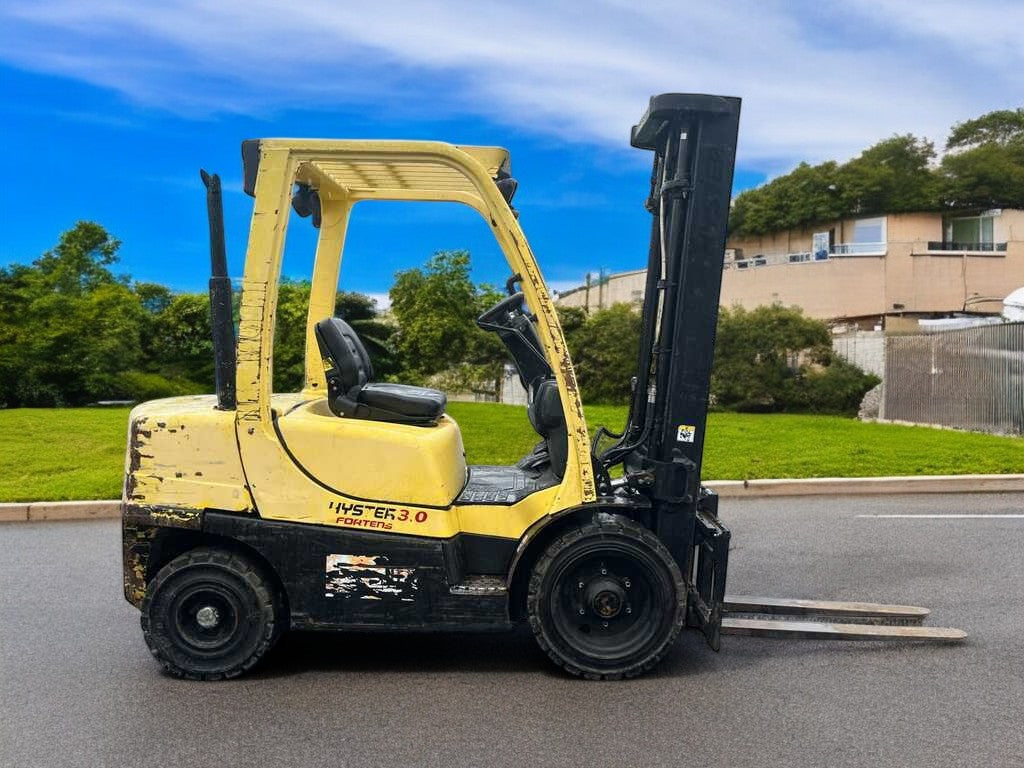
x,y
182,453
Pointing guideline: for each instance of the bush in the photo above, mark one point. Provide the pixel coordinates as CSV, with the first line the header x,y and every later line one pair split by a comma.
x,y
838,388
775,359
141,386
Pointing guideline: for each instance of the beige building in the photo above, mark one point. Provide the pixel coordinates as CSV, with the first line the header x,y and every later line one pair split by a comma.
x,y
597,293
891,269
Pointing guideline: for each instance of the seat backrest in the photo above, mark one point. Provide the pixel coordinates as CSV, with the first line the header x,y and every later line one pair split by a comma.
x,y
341,347
548,419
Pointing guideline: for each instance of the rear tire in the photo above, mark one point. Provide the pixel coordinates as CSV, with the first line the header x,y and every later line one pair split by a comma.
x,y
211,614
606,600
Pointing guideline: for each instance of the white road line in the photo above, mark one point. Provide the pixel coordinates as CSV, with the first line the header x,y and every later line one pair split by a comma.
x,y
948,517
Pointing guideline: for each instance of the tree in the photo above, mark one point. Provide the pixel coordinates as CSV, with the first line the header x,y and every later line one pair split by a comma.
x,y
68,326
774,359
603,346
79,262
290,335
1002,127
984,165
892,176
436,309
179,340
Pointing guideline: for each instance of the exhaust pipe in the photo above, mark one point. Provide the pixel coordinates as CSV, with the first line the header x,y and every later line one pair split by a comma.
x,y
221,324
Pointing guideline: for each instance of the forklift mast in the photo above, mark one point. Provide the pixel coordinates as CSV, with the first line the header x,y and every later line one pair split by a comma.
x,y
693,137
694,142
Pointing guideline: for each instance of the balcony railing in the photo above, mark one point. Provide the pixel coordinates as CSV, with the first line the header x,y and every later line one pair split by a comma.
x,y
858,249
838,251
955,246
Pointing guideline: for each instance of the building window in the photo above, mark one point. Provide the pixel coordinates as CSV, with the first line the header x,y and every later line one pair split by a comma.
x,y
869,231
971,233
868,238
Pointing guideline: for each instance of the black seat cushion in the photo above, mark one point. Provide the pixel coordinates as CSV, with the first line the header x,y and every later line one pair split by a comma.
x,y
349,389
405,399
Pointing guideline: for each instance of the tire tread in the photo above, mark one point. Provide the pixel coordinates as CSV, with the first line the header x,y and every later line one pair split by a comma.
x,y
604,524
252,575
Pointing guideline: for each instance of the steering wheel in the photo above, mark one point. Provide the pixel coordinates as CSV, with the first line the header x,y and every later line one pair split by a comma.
x,y
499,313
512,322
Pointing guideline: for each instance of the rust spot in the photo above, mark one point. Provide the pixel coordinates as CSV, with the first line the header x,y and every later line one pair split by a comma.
x,y
137,542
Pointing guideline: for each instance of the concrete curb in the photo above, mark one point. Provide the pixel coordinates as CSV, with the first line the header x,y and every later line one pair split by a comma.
x,y
817,486
852,486
60,510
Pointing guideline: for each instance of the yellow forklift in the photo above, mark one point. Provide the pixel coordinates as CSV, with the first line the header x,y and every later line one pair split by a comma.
x,y
350,506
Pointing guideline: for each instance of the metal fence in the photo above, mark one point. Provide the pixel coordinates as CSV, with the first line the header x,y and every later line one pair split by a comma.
x,y
970,379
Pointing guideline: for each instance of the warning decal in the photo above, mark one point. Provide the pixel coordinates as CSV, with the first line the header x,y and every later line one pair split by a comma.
x,y
686,433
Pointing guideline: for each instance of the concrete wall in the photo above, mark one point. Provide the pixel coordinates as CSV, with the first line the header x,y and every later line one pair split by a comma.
x,y
851,287
865,349
623,288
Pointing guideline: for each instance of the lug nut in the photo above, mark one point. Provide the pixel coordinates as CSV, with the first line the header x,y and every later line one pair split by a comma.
x,y
582,612
626,583
604,624
604,571
581,585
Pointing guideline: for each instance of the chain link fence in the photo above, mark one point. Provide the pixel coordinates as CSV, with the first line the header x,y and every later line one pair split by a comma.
x,y
970,379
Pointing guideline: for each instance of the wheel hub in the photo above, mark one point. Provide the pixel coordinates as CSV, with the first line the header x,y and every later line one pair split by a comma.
x,y
207,617
606,597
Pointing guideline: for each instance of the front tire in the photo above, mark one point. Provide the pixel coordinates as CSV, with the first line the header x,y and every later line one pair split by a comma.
x,y
606,600
211,614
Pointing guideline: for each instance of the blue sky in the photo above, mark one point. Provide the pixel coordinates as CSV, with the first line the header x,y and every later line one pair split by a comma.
x,y
108,109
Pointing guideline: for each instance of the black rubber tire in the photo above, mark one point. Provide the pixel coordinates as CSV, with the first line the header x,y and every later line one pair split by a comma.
x,y
632,648
248,608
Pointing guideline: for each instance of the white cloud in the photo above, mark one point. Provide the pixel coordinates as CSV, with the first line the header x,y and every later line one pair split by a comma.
x,y
819,80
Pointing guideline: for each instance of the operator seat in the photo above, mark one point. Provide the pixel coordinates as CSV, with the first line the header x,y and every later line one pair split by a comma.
x,y
350,391
545,413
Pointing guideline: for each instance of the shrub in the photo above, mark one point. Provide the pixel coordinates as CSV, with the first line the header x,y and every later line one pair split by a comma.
x,y
141,386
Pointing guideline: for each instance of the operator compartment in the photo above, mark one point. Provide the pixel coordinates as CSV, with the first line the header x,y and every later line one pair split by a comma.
x,y
422,465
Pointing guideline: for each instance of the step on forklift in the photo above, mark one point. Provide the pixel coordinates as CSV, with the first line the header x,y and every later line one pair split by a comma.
x,y
349,505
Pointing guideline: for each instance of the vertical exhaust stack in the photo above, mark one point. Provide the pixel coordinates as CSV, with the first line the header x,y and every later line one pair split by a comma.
x,y
221,323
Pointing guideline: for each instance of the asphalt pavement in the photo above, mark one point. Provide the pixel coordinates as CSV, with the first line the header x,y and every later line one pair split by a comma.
x,y
79,688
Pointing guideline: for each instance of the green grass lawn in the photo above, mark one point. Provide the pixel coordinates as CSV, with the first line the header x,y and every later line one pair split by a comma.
x,y
79,453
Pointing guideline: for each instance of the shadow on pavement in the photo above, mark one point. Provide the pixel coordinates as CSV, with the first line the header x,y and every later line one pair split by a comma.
x,y
511,652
